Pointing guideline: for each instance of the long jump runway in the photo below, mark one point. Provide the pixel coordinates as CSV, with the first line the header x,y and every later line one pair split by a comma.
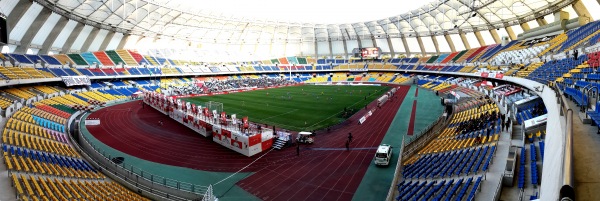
x,y
323,171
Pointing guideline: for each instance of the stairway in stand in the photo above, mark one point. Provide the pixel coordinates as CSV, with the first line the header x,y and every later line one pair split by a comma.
x,y
278,144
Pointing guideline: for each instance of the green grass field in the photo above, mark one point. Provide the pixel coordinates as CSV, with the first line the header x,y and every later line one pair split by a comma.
x,y
311,107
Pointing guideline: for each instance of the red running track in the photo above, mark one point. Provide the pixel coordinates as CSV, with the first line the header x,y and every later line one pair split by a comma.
x,y
329,174
416,92
411,123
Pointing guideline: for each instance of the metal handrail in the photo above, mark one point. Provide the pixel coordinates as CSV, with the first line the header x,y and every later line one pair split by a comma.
x,y
587,92
567,191
585,103
397,172
429,131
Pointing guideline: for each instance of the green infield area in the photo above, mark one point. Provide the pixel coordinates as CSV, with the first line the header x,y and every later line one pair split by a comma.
x,y
297,108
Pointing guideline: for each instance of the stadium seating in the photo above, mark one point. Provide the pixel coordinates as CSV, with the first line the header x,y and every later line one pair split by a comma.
x,y
115,57
34,58
582,34
42,164
20,58
101,57
91,59
128,58
453,153
63,59
50,60
78,60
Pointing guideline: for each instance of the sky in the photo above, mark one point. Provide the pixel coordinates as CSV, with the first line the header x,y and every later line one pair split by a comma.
x,y
309,11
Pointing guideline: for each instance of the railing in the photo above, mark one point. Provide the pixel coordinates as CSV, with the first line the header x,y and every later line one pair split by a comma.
x,y
423,132
390,196
164,187
430,134
208,195
567,191
422,138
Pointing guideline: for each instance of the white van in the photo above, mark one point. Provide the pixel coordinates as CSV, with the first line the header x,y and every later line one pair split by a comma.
x,y
383,155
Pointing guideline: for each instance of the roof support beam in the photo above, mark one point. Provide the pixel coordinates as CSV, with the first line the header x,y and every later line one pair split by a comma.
x,y
374,42
345,48
241,47
495,36
106,40
405,46
450,43
479,38
510,32
270,48
255,48
16,14
136,42
358,40
89,39
32,30
389,40
330,48
463,38
302,52
62,21
285,49
560,15
541,21
421,46
76,31
316,50
581,10
525,26
436,45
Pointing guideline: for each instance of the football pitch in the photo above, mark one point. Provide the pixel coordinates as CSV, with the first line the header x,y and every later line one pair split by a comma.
x,y
297,108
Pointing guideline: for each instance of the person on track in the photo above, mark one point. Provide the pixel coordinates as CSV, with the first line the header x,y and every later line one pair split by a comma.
x,y
349,137
347,145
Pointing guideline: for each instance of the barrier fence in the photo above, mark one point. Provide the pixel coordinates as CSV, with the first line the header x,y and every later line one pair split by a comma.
x,y
419,140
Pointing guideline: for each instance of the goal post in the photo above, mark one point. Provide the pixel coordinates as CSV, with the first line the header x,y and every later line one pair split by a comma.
x,y
212,105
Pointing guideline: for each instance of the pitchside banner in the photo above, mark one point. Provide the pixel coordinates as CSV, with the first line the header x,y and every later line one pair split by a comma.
x,y
76,80
92,122
491,75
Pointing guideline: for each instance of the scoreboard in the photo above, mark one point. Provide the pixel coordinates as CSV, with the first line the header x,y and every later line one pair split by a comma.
x,y
367,52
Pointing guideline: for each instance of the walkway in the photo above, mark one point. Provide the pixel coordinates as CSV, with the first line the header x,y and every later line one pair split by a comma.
x,y
586,160
377,180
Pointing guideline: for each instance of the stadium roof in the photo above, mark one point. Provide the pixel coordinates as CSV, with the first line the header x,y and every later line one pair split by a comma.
x,y
242,22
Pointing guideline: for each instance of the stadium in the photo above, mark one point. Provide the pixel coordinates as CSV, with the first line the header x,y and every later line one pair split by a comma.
x,y
313,100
